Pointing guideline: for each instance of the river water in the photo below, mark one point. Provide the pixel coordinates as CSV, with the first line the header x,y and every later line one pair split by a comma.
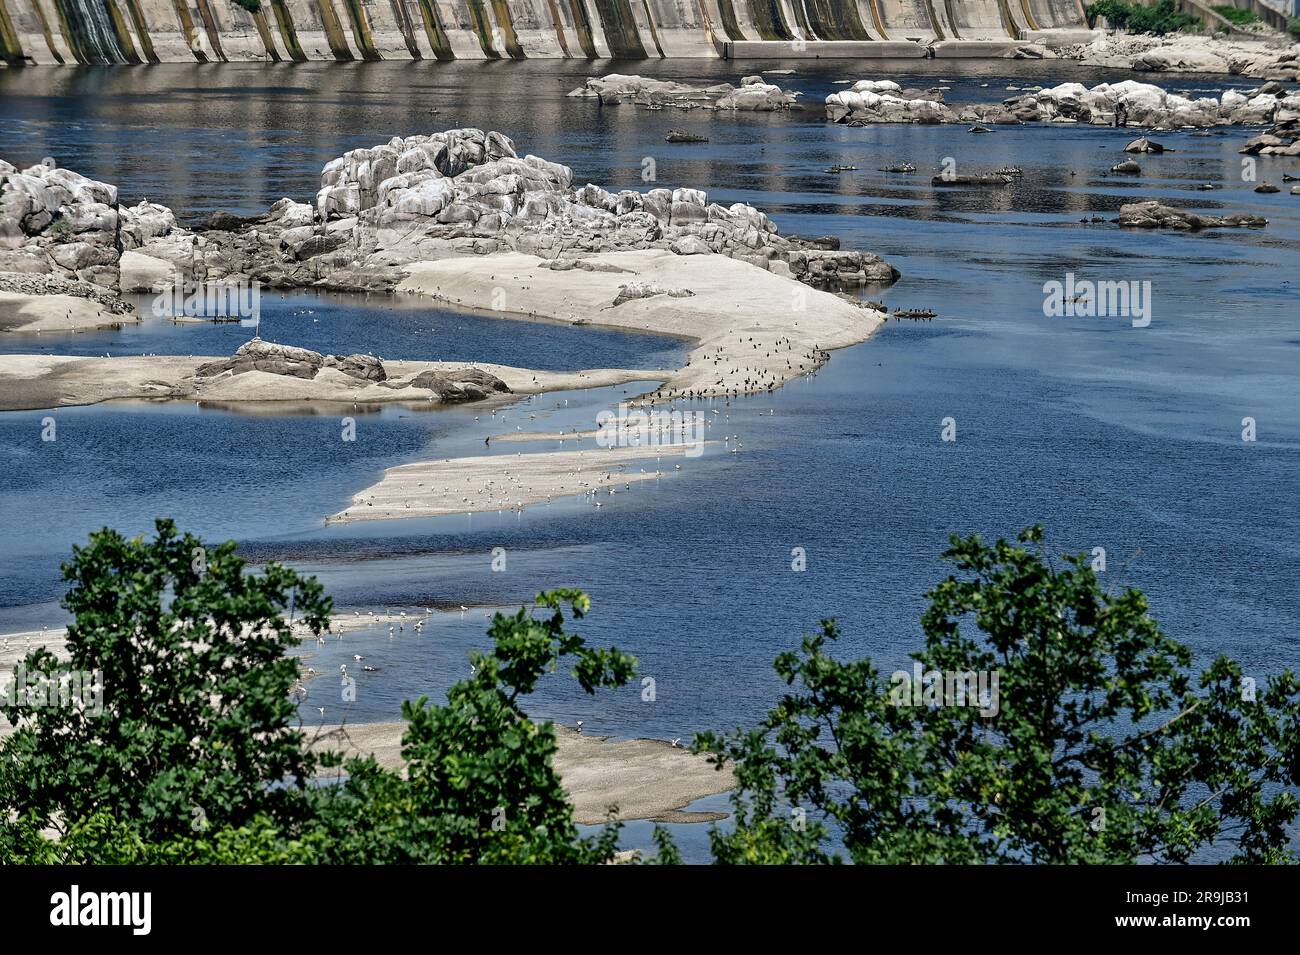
x,y
1115,436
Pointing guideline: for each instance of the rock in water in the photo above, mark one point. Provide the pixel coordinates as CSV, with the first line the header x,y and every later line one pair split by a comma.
x,y
1127,168
617,88
1144,145
1153,215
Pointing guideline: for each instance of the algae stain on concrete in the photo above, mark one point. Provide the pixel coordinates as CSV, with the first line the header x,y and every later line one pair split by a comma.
x,y
11,50
506,24
288,33
338,44
582,23
434,30
360,22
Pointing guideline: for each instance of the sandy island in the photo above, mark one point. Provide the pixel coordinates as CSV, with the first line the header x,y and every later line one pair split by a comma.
x,y
54,381
755,329
505,482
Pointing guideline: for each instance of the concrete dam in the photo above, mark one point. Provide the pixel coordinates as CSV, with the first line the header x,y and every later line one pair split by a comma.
x,y
48,32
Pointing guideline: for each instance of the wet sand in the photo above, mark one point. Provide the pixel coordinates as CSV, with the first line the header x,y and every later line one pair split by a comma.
x,y
504,482
644,778
24,313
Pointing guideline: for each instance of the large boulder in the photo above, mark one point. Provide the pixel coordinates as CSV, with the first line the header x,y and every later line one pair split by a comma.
x,y
55,220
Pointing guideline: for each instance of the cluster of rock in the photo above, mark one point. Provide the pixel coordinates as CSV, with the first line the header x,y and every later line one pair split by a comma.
x,y
1107,104
453,385
754,93
275,359
418,198
48,283
1183,53
58,223
1282,140
1154,215
466,191
884,101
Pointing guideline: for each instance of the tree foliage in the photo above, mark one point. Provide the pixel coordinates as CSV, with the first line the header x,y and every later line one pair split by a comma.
x,y
197,716
1159,18
1102,746
197,755
1096,743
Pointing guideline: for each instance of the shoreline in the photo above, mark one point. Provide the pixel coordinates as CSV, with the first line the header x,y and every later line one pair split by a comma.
x,y
52,382
647,779
755,329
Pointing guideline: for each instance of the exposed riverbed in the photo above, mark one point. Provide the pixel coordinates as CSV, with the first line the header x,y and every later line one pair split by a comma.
x,y
1108,434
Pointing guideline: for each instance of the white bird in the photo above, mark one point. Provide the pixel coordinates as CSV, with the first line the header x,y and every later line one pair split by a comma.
x,y
357,657
579,726
676,743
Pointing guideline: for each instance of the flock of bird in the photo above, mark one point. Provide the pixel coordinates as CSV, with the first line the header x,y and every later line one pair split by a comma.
x,y
736,379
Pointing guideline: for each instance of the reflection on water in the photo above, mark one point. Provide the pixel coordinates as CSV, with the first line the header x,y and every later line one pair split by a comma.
x,y
1109,435
203,137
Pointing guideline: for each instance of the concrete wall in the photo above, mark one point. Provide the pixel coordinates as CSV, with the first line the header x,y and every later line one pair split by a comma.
x,y
45,32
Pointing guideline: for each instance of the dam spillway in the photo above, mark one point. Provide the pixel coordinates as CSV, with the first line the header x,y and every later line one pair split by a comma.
x,y
51,32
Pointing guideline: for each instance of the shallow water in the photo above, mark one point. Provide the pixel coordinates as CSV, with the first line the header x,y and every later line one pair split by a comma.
x,y
1108,434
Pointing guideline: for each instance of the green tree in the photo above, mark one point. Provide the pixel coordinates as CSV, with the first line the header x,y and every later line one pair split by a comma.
x,y
1099,746
478,784
196,723
197,755
1158,18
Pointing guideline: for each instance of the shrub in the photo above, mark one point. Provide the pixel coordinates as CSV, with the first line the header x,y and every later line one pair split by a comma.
x,y
1235,14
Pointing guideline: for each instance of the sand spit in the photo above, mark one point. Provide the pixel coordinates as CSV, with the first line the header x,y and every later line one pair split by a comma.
x,y
506,482
560,436
53,381
645,778
21,312
756,329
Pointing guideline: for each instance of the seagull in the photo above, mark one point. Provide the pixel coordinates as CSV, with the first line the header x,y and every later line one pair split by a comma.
x,y
357,657
675,743
463,608
579,726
